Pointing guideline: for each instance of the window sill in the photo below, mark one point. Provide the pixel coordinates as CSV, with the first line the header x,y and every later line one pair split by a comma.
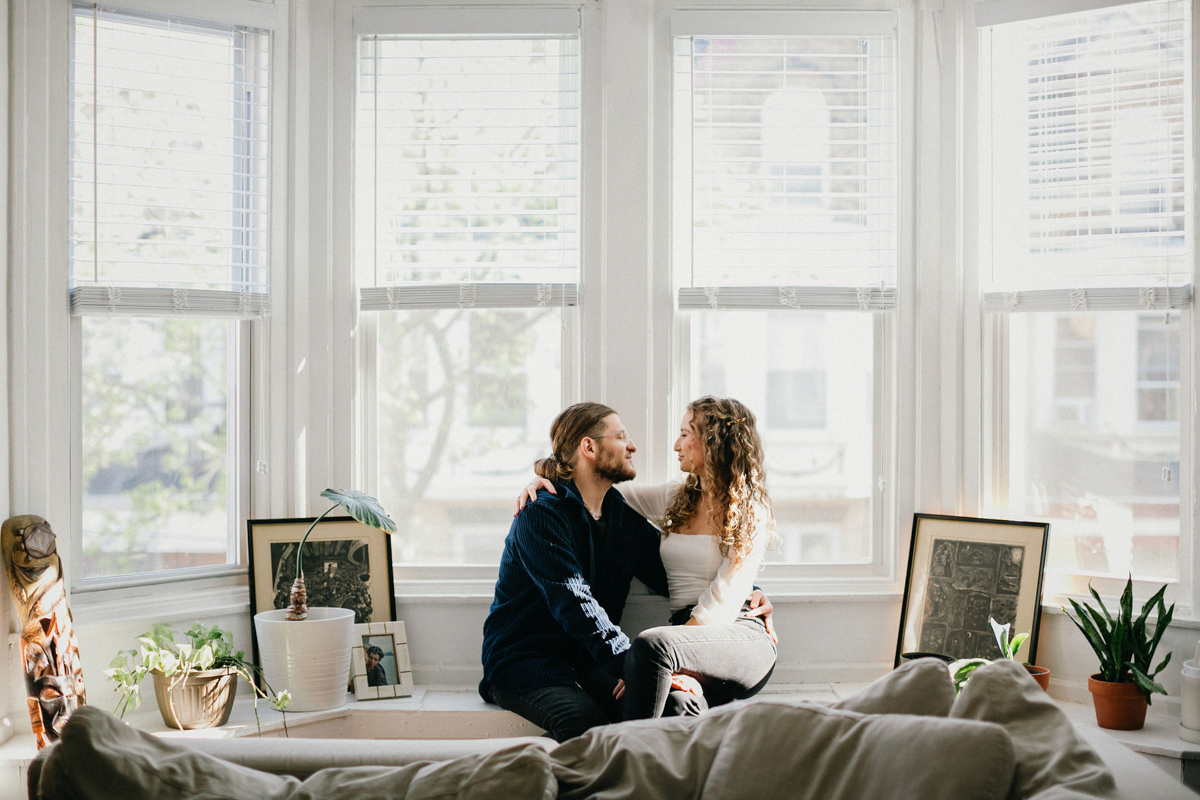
x,y
161,602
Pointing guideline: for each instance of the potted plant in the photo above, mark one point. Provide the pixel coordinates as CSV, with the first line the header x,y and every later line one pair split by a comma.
x,y
195,682
960,671
1122,688
308,649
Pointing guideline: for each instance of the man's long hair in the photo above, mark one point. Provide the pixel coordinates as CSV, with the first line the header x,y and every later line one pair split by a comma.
x,y
575,423
732,475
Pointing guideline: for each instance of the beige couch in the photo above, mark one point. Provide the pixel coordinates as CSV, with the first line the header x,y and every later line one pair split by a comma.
x,y
905,736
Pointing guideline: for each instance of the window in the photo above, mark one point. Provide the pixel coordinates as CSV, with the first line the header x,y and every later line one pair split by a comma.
x,y
1075,369
785,248
1086,249
168,252
1158,368
467,235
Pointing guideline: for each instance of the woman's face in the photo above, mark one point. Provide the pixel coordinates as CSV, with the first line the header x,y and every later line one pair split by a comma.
x,y
689,446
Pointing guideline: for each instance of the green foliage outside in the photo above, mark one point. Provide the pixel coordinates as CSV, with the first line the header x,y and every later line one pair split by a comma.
x,y
155,427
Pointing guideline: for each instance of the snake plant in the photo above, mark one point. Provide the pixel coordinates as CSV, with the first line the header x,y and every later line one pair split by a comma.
x,y
1124,644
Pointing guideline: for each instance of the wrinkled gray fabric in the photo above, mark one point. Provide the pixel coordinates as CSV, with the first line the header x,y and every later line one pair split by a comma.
x,y
1053,762
522,772
814,753
100,757
768,750
667,757
922,687
1004,738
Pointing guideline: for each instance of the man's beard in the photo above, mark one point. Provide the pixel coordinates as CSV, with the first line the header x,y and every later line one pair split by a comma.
x,y
612,466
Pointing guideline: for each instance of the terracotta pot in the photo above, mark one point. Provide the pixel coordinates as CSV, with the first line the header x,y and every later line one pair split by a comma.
x,y
1041,675
201,700
1119,706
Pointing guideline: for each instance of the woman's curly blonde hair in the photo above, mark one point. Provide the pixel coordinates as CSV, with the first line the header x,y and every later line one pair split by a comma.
x,y
732,475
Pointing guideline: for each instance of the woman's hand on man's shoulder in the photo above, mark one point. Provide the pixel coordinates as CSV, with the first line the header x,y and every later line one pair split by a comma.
x,y
528,494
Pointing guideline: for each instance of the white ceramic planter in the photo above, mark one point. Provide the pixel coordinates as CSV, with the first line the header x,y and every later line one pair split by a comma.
x,y
309,658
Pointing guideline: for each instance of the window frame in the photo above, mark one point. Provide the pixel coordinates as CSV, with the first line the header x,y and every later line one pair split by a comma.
x,y
59,332
892,489
994,374
475,579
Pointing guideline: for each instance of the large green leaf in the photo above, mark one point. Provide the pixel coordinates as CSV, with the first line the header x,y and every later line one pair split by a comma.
x,y
363,507
1099,602
1098,642
1144,683
1127,604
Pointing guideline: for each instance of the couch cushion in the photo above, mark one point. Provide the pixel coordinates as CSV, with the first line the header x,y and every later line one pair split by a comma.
x,y
304,757
1053,762
815,753
649,758
520,772
766,750
922,687
101,757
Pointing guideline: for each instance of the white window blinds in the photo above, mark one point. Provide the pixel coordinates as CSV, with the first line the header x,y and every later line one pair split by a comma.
x,y
785,164
169,166
1085,148
467,188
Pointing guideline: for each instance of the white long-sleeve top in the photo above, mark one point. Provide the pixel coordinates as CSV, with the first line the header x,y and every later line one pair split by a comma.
x,y
697,574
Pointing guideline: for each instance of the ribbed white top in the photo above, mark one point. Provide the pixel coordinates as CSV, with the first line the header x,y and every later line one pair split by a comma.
x,y
691,563
697,574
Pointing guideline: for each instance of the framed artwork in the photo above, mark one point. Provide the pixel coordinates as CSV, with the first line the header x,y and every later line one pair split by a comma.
x,y
346,565
963,571
379,662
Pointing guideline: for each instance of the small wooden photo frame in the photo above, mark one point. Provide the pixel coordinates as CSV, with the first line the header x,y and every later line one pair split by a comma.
x,y
379,661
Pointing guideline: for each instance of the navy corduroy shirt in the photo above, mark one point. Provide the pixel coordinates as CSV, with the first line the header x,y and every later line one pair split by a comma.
x,y
563,582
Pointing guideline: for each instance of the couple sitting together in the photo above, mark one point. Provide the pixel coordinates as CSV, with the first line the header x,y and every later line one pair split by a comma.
x,y
552,649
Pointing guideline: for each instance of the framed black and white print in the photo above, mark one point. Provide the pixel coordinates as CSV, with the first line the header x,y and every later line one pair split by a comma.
x,y
963,571
346,565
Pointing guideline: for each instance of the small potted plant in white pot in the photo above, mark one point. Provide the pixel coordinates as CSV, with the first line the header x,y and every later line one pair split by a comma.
x,y
1122,688
308,649
195,682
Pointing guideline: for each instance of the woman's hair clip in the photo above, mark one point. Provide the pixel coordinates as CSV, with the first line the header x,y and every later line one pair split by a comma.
x,y
733,422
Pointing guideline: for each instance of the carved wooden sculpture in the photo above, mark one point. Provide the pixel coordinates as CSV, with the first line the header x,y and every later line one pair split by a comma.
x,y
49,652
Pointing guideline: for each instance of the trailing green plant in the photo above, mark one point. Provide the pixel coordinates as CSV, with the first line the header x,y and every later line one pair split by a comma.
x,y
1124,644
362,507
205,649
961,670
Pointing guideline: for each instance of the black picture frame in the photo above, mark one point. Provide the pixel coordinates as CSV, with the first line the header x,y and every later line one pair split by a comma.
x,y
962,570
342,543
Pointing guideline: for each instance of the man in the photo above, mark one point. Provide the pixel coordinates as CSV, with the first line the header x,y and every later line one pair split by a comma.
x,y
376,676
552,649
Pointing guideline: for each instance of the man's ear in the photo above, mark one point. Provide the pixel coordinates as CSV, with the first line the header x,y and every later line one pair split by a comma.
x,y
587,448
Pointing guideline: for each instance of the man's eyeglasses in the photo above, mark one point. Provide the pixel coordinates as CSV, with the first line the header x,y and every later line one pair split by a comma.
x,y
619,435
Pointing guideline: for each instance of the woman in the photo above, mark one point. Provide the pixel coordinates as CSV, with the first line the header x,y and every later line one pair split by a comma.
x,y
716,528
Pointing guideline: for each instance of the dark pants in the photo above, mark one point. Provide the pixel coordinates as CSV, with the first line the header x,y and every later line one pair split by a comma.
x,y
731,662
566,711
